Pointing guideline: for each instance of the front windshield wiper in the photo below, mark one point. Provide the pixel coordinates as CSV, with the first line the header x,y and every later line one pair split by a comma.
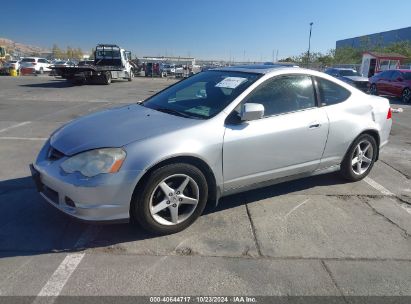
x,y
173,112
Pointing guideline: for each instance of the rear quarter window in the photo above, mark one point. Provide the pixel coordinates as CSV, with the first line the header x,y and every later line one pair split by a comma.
x,y
331,93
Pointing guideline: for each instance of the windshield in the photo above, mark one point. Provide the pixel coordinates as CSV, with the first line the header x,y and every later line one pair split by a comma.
x,y
349,73
202,95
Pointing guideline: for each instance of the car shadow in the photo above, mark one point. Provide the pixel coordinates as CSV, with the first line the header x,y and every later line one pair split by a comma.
x,y
51,83
29,226
61,84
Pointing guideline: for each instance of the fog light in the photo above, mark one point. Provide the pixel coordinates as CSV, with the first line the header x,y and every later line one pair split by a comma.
x,y
69,202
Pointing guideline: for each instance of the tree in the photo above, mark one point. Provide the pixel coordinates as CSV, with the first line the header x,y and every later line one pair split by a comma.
x,y
57,52
77,53
91,53
69,52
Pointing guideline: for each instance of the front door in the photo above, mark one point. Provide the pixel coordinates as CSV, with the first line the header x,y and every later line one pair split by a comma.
x,y
289,140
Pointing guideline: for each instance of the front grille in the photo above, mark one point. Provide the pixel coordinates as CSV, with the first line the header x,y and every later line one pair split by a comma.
x,y
54,154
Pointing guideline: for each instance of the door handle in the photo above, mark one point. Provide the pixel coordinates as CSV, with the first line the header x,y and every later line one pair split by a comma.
x,y
314,125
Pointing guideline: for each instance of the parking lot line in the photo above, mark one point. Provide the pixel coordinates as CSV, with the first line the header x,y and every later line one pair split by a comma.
x,y
15,126
378,186
59,278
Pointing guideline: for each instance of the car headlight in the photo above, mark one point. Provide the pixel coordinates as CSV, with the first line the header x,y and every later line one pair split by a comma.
x,y
94,162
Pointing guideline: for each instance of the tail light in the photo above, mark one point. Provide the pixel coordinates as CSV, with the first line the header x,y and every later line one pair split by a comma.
x,y
389,114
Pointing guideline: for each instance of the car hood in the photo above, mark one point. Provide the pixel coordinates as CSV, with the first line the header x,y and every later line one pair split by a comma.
x,y
115,128
357,78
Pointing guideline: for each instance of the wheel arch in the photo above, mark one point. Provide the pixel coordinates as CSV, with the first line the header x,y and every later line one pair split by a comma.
x,y
192,160
371,132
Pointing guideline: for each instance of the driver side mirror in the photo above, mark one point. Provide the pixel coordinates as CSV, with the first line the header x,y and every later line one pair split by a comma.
x,y
251,111
400,79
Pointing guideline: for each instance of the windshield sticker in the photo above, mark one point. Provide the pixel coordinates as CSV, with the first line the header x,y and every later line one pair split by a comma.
x,y
230,82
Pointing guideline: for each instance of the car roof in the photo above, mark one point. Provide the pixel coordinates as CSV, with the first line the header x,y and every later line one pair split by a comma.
x,y
256,68
34,58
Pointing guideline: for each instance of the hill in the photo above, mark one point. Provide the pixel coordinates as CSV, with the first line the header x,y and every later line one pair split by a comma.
x,y
21,49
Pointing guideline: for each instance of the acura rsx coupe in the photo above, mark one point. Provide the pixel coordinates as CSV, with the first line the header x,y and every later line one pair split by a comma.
x,y
219,132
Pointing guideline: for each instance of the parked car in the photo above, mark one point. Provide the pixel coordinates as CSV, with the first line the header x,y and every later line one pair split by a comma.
x,y
170,69
12,64
86,62
350,76
63,63
162,160
60,64
154,69
395,83
35,65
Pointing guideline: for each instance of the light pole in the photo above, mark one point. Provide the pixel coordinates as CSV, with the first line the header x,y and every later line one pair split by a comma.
x,y
309,44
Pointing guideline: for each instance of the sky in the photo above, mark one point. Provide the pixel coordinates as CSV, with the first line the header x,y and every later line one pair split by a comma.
x,y
253,30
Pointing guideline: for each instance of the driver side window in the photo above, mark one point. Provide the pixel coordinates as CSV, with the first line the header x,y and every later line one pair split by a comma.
x,y
284,94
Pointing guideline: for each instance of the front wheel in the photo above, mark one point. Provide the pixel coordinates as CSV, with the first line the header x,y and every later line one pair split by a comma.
x,y
172,198
406,95
360,158
107,78
131,75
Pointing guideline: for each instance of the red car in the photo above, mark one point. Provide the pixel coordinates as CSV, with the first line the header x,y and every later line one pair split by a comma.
x,y
396,83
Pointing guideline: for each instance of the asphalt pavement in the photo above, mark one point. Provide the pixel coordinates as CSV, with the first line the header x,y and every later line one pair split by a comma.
x,y
318,236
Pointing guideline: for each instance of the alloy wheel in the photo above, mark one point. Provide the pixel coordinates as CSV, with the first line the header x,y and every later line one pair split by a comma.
x,y
406,95
362,157
174,199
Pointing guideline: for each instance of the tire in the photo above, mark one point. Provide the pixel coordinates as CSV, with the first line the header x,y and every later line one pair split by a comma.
x,y
107,78
130,78
406,95
153,209
359,159
373,90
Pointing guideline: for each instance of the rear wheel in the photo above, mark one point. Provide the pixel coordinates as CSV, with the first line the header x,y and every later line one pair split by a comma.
x,y
406,95
173,197
360,158
373,90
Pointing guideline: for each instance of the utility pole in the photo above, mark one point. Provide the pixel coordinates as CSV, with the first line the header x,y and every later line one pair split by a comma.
x,y
309,45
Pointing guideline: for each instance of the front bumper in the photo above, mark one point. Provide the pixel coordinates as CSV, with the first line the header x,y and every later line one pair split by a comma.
x,y
105,197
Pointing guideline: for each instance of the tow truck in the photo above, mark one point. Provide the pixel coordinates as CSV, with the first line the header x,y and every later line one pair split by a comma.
x,y
110,62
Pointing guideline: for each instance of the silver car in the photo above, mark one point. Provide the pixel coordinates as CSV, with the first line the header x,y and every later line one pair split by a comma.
x,y
223,131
